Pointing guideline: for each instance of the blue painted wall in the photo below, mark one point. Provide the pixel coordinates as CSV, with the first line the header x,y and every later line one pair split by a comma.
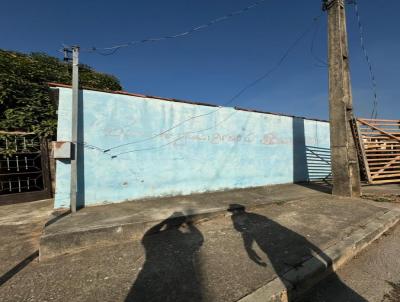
x,y
224,148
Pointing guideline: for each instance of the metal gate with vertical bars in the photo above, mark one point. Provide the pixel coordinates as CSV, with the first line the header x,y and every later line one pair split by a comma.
x,y
24,169
379,142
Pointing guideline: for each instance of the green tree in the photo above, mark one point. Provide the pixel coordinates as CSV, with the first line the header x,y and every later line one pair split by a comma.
x,y
25,103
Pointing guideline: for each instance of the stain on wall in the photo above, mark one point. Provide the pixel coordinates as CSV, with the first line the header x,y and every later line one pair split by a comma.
x,y
222,148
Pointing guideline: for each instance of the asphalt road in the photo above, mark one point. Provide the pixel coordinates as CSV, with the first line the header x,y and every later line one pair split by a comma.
x,y
374,275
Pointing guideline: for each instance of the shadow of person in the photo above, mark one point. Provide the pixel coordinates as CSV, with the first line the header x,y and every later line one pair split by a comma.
x,y
169,272
284,248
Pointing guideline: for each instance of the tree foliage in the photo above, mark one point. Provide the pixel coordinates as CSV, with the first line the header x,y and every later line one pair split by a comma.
x,y
25,103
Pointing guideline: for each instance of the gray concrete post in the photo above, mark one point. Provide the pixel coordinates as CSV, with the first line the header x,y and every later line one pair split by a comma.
x,y
74,134
345,169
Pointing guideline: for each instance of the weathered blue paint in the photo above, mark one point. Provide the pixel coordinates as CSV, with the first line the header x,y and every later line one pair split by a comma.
x,y
223,148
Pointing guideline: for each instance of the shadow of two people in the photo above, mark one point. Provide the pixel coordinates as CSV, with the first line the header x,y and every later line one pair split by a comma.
x,y
170,271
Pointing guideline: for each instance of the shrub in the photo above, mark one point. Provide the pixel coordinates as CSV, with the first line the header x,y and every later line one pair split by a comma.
x,y
25,103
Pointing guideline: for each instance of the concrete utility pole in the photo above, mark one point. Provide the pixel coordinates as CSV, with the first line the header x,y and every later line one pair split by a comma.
x,y
74,134
344,160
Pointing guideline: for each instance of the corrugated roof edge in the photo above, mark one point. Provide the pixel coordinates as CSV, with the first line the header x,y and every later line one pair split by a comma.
x,y
184,101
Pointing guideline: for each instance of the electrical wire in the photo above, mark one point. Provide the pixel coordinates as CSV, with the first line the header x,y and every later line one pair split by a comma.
x,y
240,92
374,113
320,62
237,95
182,136
107,51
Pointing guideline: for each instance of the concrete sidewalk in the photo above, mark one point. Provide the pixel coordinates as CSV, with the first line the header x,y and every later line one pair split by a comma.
x,y
21,225
113,223
273,244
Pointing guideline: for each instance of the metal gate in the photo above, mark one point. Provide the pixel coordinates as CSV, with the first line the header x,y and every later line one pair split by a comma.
x,y
379,146
24,168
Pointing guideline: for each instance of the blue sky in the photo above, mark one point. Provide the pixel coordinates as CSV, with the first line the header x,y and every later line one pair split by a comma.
x,y
214,64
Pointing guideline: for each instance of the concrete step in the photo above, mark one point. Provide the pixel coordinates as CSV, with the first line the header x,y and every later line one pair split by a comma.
x,y
53,244
114,223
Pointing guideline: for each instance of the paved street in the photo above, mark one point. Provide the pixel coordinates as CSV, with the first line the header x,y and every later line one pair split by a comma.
x,y
374,274
220,259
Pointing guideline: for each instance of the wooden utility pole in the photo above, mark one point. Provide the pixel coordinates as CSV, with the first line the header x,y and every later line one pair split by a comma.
x,y
344,160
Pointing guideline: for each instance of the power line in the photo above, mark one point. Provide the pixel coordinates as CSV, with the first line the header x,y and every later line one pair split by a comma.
x,y
106,51
321,62
149,148
182,136
374,113
240,92
237,95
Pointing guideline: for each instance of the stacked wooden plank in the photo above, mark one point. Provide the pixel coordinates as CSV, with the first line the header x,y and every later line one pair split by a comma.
x,y
380,148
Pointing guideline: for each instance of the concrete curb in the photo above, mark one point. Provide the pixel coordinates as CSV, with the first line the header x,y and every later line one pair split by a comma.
x,y
297,281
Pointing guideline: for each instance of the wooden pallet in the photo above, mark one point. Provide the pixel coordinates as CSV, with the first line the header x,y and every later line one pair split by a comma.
x,y
379,148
